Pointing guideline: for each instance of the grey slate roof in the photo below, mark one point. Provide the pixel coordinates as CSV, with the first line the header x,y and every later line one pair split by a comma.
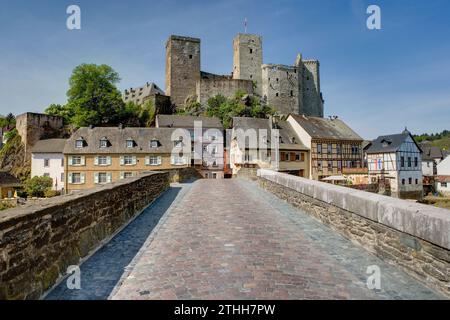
x,y
322,128
431,152
289,138
117,140
137,94
49,146
8,180
389,143
178,121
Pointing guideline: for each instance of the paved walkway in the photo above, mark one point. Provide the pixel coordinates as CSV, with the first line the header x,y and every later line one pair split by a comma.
x,y
229,239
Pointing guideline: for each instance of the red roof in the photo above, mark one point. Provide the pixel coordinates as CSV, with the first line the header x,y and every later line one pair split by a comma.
x,y
443,178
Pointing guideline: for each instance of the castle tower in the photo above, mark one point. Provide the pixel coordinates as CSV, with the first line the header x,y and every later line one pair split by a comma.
x,y
182,68
312,101
247,59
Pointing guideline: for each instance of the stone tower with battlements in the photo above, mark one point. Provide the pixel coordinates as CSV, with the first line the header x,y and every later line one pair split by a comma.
x,y
247,59
309,86
182,68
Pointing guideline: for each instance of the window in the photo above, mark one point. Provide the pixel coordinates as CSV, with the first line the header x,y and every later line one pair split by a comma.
x,y
153,161
79,143
338,149
154,144
330,165
62,177
46,163
286,157
319,148
128,160
444,184
251,76
76,160
292,93
410,180
330,148
62,162
402,162
130,143
428,164
102,160
277,79
409,162
214,163
104,143
276,94
251,51
102,177
319,165
297,157
339,165
214,175
417,181
46,174
403,181
76,177
190,56
127,175
416,161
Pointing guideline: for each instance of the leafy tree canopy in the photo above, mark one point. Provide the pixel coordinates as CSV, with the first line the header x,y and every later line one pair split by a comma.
x,y
93,98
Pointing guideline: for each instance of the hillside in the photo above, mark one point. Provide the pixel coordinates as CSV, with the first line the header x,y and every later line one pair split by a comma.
x,y
440,140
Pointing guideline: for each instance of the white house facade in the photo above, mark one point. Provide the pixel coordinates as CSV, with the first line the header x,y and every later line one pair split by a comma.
x,y
47,160
395,163
443,177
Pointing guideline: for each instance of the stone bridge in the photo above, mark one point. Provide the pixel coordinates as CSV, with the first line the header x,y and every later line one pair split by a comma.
x,y
282,238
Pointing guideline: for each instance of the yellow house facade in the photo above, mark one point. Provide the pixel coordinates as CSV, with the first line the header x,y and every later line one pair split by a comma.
x,y
96,156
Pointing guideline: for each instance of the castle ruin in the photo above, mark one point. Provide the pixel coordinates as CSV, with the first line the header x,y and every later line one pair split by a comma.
x,y
289,89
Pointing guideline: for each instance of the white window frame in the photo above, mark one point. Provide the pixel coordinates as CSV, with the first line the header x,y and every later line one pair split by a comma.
x,y
103,143
130,143
154,143
46,163
79,143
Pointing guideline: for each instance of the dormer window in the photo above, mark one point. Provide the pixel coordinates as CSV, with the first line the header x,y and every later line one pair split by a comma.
x,y
104,143
154,144
130,143
79,143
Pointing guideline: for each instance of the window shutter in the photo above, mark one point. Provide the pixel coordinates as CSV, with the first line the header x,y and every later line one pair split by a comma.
x,y
159,160
172,160
82,177
96,161
70,161
70,178
83,161
96,177
134,160
109,177
109,160
122,160
122,175
147,160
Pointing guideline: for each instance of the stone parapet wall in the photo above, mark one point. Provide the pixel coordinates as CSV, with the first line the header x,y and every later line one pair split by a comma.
x,y
38,242
414,236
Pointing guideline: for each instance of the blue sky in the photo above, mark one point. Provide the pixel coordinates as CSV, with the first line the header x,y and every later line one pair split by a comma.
x,y
377,81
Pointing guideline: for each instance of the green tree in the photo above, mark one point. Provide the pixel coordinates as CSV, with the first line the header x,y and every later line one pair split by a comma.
x,y
38,186
59,110
241,105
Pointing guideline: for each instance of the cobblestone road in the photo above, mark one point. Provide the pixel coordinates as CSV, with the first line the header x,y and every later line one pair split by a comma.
x,y
229,239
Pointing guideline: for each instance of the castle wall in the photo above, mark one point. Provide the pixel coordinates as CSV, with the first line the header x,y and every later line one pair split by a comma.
x,y
210,87
182,68
280,87
33,127
247,59
312,104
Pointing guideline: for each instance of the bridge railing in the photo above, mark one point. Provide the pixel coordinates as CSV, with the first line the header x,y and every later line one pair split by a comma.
x,y
414,236
39,242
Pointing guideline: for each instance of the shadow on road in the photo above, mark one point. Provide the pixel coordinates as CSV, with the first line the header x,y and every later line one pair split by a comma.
x,y
102,271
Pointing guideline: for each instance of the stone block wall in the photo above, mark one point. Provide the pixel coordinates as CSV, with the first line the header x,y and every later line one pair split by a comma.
x,y
412,236
214,85
38,242
33,127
